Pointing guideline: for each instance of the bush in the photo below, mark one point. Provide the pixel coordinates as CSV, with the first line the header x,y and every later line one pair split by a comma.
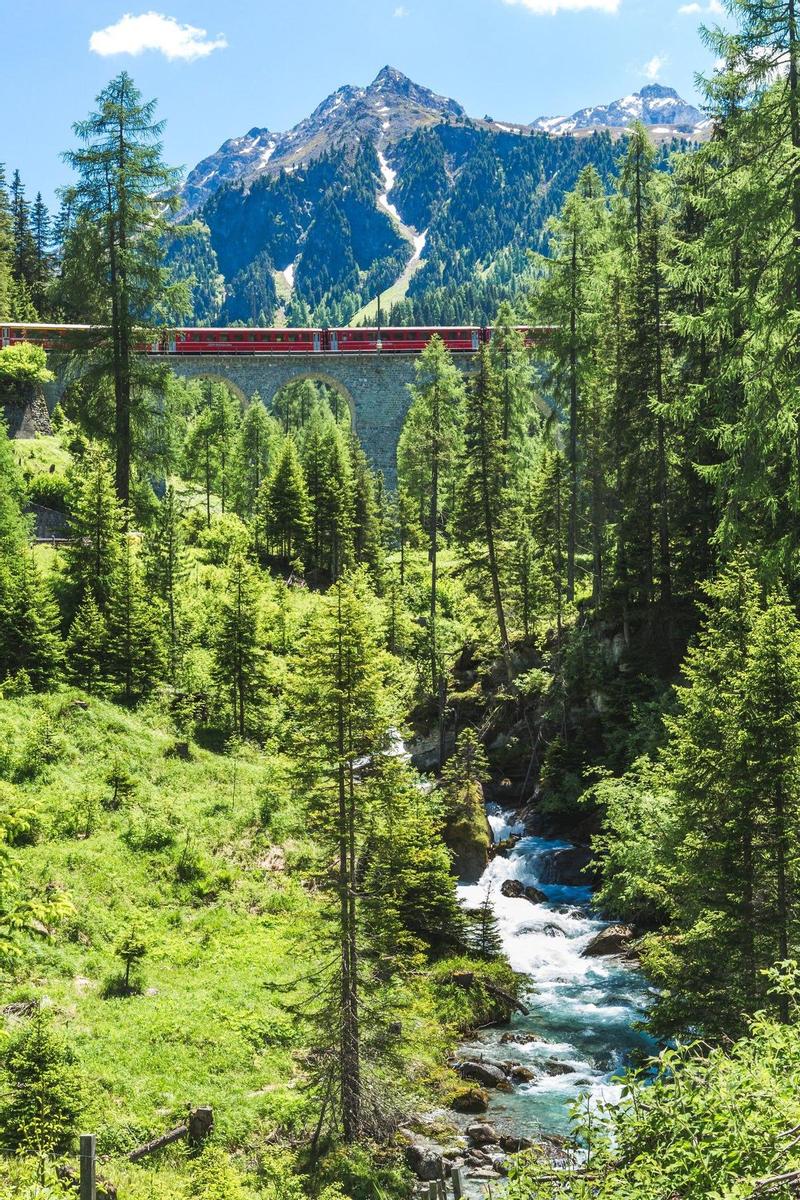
x,y
227,536
49,491
149,832
24,363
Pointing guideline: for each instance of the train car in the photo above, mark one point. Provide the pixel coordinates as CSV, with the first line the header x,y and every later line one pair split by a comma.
x,y
244,341
49,337
402,339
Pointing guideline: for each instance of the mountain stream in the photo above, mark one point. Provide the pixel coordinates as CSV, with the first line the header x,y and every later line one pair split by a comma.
x,y
580,1030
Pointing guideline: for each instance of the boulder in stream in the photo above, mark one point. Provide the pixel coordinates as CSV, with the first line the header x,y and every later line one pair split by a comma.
x,y
472,1099
569,867
487,1074
552,1066
513,889
482,1134
614,940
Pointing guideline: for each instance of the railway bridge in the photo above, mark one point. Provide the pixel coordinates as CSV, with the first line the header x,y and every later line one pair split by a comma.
x,y
374,385
370,368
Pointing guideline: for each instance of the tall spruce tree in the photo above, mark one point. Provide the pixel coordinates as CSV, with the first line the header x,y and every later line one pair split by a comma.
x,y
427,455
237,649
345,712
122,182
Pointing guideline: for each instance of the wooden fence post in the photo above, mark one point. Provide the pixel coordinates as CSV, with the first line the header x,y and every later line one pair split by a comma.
x,y
433,1190
88,1161
458,1183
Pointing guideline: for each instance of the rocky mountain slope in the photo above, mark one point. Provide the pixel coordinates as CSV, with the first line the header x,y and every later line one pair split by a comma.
x,y
384,113
392,188
655,105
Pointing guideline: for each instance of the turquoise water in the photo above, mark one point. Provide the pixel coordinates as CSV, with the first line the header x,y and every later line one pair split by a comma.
x,y
583,1011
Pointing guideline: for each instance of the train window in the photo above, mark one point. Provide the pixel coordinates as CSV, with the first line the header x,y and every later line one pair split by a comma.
x,y
251,337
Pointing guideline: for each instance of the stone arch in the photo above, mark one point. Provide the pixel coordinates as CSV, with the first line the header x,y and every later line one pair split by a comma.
x,y
230,384
315,376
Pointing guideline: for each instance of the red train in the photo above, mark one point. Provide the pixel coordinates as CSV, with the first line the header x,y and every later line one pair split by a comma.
x,y
461,339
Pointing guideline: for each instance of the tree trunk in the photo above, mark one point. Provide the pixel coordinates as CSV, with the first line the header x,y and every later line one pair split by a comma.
x,y
572,532
436,432
665,563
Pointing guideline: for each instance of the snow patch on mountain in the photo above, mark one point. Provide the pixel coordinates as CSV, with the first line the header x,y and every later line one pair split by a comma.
x,y
654,105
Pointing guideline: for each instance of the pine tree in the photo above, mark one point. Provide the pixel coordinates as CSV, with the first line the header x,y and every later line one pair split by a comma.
x,y
44,1096
257,440
236,647
96,523
6,246
120,192
367,543
769,784
24,267
567,301
135,643
483,485
709,964
166,568
344,710
87,647
285,505
427,456
41,232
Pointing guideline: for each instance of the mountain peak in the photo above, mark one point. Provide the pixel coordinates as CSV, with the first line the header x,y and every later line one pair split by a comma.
x,y
392,107
654,105
658,91
389,75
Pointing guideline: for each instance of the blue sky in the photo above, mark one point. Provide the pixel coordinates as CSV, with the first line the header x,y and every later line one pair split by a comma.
x,y
270,62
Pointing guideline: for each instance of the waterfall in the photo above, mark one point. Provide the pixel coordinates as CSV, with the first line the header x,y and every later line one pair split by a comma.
x,y
580,1030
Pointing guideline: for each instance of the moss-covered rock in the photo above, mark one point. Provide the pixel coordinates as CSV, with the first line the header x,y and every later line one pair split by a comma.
x,y
467,833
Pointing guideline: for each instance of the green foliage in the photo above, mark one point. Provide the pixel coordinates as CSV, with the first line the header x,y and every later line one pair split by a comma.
x,y
24,363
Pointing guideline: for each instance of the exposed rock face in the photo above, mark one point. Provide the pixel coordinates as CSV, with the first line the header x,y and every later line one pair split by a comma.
x,y
615,940
654,105
569,867
392,107
25,411
519,891
468,835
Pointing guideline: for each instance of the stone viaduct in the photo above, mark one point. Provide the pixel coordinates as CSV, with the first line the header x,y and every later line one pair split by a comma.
x,y
374,385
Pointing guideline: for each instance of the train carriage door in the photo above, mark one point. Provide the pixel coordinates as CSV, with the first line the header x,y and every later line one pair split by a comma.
x,y
316,341
5,340
334,340
474,339
172,346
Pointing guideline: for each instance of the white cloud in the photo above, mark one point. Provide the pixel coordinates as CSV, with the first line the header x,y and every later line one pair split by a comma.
x,y
652,69
549,8
400,12
154,31
714,8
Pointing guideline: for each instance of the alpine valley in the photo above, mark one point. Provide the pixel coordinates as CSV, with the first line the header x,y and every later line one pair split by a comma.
x,y
394,190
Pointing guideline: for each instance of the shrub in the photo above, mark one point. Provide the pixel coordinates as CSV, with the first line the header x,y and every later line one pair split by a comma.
x,y
49,491
24,363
